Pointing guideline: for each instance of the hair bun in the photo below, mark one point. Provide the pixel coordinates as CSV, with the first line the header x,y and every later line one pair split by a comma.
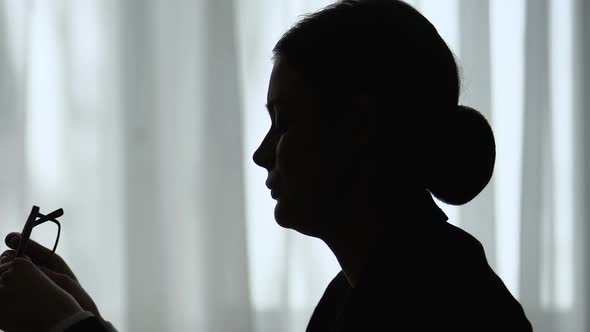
x,y
463,167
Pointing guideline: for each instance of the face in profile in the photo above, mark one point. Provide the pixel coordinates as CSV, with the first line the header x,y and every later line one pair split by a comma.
x,y
312,155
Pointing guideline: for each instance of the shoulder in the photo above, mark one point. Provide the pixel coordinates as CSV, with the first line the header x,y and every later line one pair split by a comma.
x,y
482,292
330,305
447,278
335,294
460,240
339,282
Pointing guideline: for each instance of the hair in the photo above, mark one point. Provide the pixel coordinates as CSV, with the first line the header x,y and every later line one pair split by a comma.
x,y
388,50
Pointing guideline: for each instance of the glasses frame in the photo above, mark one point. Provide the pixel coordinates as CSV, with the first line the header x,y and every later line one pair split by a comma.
x,y
32,221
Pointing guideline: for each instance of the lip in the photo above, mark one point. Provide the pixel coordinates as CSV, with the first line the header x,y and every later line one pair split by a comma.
x,y
270,183
274,194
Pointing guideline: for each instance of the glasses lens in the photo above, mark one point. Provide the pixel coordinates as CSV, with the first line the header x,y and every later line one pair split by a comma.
x,y
45,234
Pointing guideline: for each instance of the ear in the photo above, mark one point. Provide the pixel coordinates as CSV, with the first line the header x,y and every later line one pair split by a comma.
x,y
367,118
366,144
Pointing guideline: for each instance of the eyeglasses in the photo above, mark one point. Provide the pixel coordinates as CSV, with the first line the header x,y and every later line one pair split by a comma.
x,y
32,221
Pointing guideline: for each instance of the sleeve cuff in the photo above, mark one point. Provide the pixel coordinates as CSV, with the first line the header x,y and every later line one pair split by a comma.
x,y
68,322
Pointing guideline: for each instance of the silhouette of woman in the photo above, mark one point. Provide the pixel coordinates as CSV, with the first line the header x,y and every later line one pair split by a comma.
x,y
366,125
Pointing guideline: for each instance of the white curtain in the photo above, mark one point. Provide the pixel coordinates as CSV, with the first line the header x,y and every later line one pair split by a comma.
x,y
140,117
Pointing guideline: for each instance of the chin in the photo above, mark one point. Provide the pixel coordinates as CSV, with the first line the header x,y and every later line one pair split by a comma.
x,y
285,219
295,222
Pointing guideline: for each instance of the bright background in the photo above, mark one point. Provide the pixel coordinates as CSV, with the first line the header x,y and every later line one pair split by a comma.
x,y
139,118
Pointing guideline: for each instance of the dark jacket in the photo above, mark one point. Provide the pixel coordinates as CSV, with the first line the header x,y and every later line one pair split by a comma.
x,y
90,324
426,275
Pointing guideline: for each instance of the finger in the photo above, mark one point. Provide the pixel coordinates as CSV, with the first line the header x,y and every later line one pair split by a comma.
x,y
5,272
39,254
6,278
24,259
4,267
7,255
34,249
22,262
17,263
59,279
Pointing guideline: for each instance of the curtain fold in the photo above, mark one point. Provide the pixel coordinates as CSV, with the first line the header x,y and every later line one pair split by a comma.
x,y
184,211
536,214
146,286
478,217
581,85
13,64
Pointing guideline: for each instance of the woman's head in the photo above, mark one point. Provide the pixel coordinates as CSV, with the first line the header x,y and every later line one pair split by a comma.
x,y
369,93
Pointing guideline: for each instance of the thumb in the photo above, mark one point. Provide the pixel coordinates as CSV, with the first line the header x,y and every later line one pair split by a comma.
x,y
24,257
12,240
39,254
34,249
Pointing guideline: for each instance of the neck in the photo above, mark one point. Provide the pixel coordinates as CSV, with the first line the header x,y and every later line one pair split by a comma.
x,y
353,248
355,239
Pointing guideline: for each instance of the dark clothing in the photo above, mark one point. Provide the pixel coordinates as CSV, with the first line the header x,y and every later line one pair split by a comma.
x,y
429,276
90,324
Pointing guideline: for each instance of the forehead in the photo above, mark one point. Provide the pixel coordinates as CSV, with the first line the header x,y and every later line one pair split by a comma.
x,y
284,83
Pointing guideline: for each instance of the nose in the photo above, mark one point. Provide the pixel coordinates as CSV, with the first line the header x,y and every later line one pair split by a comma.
x,y
264,155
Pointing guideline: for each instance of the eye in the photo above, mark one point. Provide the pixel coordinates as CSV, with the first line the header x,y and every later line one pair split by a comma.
x,y
279,122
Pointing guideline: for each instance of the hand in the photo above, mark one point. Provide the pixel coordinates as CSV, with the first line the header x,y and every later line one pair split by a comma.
x,y
55,269
29,300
